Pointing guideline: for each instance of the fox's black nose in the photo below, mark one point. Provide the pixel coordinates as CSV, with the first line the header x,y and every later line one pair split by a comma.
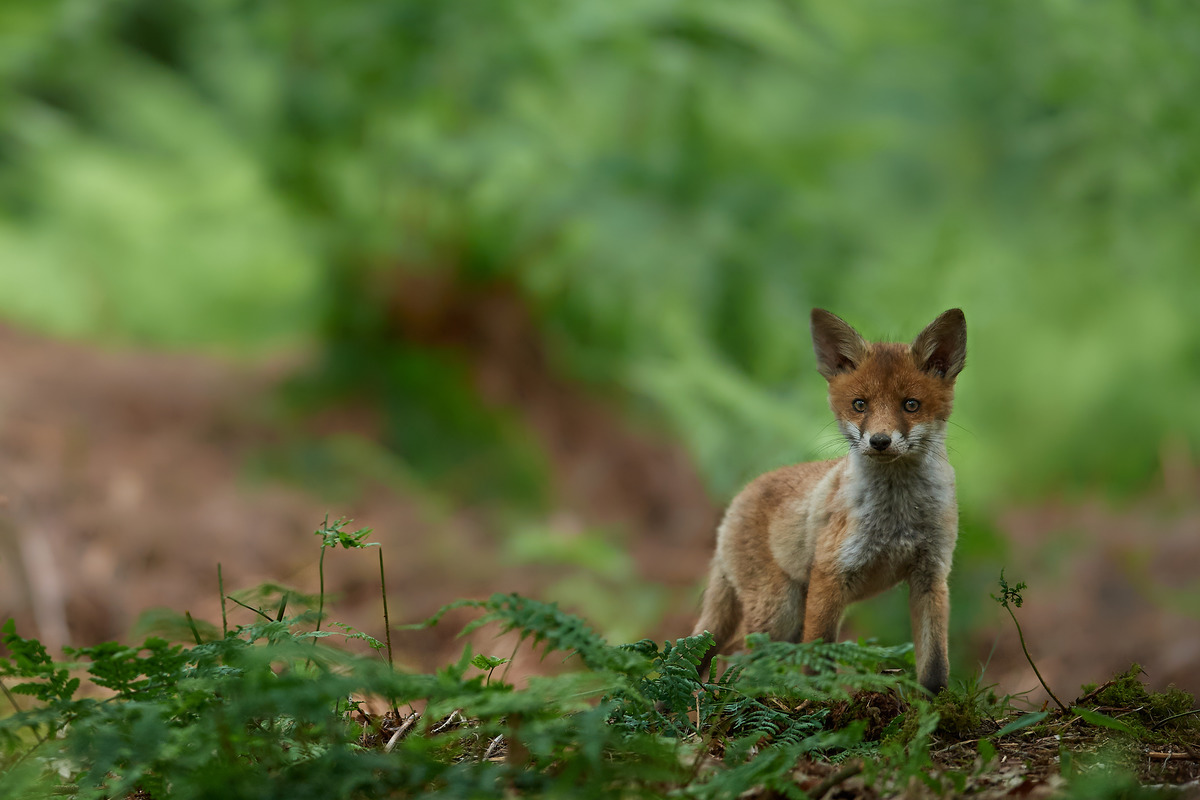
x,y
880,441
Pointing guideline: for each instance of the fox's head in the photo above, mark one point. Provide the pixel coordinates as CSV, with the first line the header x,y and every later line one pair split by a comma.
x,y
891,400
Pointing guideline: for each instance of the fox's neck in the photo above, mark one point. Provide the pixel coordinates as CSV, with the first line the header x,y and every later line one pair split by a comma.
x,y
919,483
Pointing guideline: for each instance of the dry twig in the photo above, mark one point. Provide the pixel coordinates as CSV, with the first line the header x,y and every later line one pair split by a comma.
x,y
403,729
841,776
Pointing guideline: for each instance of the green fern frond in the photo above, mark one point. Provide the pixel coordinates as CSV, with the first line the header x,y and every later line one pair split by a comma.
x,y
545,623
659,697
819,670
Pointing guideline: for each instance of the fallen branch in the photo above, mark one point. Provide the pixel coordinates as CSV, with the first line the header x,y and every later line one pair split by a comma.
x,y
403,729
841,776
1093,693
1156,725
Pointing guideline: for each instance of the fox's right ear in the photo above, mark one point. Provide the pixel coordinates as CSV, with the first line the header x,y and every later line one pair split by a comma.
x,y
839,348
941,349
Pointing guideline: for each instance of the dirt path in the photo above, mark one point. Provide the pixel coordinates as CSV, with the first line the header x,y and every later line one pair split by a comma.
x,y
125,484
1108,587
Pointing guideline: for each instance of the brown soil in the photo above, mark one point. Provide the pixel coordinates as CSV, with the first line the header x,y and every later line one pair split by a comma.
x,y
125,484
1029,763
1108,587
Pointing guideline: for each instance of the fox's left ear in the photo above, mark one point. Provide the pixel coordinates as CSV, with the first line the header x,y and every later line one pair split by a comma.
x,y
941,348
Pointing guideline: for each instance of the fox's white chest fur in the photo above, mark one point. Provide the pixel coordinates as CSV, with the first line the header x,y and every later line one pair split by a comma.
x,y
897,514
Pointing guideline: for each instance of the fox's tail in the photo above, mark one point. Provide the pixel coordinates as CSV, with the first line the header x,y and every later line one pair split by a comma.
x,y
720,614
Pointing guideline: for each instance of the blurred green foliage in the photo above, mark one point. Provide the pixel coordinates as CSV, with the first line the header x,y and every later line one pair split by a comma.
x,y
669,185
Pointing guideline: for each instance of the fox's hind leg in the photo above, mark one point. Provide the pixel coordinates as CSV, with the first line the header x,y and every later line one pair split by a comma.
x,y
778,612
720,615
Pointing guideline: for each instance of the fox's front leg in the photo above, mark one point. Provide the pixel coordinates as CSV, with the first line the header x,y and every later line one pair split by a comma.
x,y
929,606
825,605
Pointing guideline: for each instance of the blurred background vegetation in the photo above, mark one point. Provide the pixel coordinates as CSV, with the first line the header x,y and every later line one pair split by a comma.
x,y
665,188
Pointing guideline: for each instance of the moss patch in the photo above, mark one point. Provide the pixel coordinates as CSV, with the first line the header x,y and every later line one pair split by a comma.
x,y
1153,716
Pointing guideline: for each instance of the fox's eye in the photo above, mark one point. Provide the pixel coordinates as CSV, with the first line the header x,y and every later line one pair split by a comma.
x,y
911,405
860,405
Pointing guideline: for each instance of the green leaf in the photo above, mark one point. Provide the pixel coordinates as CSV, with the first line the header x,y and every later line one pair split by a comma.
x,y
1101,720
1009,594
488,662
332,535
31,660
1022,722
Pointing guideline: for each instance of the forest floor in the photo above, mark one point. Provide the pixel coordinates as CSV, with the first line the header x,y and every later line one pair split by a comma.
x,y
129,476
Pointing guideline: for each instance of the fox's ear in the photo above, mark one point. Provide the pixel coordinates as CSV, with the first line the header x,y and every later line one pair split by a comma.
x,y
839,348
941,348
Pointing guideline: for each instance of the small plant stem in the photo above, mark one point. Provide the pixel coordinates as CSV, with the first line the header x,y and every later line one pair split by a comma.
x,y
516,754
12,700
36,734
192,624
258,611
221,590
511,657
321,599
387,628
1028,658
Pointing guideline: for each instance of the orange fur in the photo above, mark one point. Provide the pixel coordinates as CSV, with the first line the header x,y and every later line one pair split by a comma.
x,y
801,543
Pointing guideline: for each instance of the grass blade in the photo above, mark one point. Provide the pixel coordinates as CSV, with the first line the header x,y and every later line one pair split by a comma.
x,y
1022,722
1101,720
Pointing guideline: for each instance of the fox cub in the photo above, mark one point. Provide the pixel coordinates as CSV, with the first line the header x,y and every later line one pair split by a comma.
x,y
799,544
